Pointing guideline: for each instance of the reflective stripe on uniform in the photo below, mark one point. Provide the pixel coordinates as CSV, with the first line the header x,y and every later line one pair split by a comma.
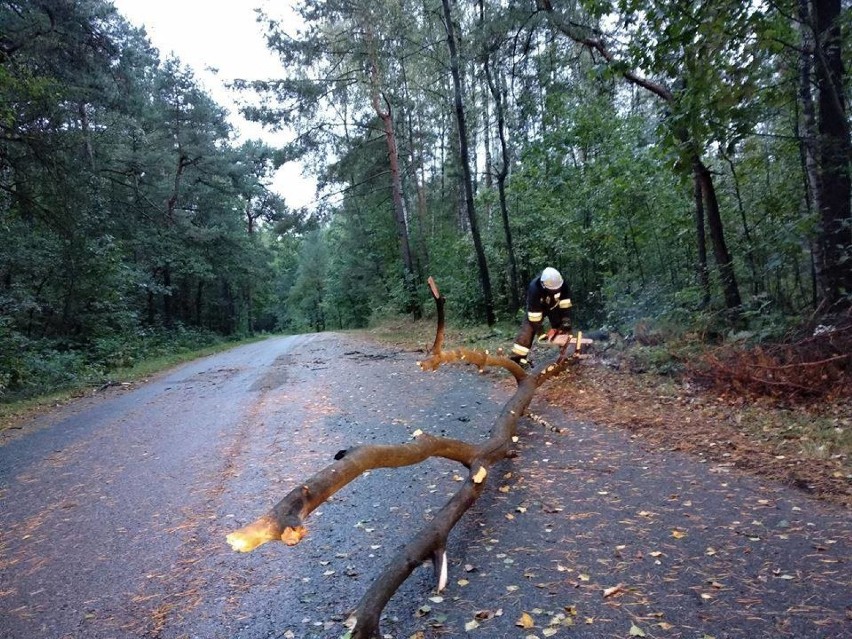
x,y
517,349
565,303
535,317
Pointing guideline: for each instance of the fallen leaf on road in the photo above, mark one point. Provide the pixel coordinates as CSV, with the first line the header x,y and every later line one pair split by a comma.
x,y
636,631
526,621
488,614
614,590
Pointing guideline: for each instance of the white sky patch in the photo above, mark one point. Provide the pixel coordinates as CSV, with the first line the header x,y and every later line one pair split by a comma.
x,y
222,41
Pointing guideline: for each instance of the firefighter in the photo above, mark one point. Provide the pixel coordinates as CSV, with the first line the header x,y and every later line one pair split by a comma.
x,y
548,296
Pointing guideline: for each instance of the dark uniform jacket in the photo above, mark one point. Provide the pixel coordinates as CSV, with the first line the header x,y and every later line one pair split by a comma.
x,y
542,302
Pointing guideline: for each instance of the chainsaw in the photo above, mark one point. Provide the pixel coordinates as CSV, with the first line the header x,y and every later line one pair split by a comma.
x,y
563,340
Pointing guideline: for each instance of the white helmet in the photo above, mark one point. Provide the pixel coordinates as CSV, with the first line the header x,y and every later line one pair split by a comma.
x,y
551,279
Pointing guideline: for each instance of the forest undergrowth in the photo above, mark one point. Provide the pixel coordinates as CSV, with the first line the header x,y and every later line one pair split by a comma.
x,y
781,411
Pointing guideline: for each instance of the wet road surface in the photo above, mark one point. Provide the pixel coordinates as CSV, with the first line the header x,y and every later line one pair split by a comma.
x,y
113,516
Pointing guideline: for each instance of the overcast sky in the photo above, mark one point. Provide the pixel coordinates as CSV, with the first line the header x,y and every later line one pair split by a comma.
x,y
221,41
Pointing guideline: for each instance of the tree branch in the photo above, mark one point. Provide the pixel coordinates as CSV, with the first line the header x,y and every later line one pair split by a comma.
x,y
595,43
285,521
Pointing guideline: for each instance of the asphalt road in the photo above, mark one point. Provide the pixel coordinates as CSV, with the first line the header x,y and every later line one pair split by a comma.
x,y
114,511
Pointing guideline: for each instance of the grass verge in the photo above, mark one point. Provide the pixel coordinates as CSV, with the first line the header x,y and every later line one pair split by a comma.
x,y
12,413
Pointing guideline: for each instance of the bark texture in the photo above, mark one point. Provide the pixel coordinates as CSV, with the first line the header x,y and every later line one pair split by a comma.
x,y
467,179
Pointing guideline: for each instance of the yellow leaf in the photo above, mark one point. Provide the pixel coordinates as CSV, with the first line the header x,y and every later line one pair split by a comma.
x,y
636,631
583,577
479,475
665,625
471,625
549,632
503,489
678,534
526,621
462,582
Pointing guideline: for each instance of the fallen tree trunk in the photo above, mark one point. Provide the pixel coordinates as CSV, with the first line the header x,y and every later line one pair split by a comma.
x,y
285,521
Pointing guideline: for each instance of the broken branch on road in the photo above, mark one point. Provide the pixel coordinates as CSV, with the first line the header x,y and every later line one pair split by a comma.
x,y
286,520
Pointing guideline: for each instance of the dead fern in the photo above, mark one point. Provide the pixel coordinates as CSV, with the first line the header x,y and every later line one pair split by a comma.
x,y
805,368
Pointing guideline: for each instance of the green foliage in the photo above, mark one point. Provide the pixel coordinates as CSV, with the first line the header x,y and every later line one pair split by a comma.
x,y
125,211
307,297
128,217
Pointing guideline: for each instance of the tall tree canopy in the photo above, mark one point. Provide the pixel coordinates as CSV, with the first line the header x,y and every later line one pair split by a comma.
x,y
623,141
675,160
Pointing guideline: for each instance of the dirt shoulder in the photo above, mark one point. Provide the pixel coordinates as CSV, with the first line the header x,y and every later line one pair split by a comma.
x,y
806,447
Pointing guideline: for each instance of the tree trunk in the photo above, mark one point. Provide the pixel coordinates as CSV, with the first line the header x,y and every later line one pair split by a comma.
x,y
415,151
484,279
87,135
198,302
724,262
834,266
757,281
701,243
168,313
502,174
806,133
386,116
